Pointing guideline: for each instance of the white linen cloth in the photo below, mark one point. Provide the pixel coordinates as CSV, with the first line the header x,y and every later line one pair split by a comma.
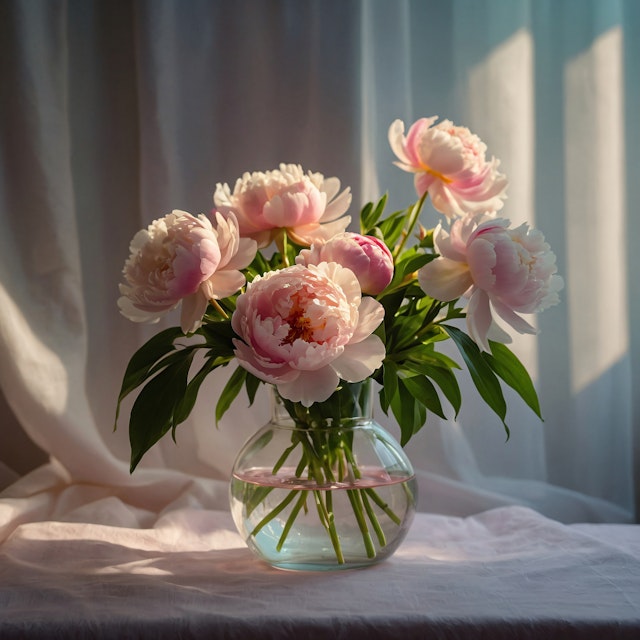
x,y
506,573
112,113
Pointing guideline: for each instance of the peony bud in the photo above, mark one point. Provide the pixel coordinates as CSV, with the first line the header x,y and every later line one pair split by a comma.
x,y
368,258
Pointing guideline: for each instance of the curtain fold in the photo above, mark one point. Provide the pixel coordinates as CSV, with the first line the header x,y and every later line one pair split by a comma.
x,y
113,114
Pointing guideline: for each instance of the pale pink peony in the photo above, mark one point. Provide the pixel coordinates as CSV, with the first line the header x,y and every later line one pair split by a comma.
x,y
305,205
449,162
368,257
181,258
502,271
305,328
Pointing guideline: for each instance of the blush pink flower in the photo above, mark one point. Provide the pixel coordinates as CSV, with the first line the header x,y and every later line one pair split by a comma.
x,y
449,163
183,258
368,257
304,205
503,272
305,328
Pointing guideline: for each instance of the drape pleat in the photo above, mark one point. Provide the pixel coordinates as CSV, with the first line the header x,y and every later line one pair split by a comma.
x,y
113,114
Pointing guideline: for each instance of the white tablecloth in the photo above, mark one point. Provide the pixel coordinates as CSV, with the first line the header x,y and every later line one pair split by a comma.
x,y
506,573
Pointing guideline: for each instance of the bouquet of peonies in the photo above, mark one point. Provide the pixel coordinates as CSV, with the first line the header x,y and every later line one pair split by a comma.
x,y
273,280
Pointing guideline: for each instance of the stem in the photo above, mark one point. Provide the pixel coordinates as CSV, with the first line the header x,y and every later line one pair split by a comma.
x,y
413,218
371,493
272,514
356,505
258,495
216,305
382,540
382,504
283,458
281,245
330,525
302,499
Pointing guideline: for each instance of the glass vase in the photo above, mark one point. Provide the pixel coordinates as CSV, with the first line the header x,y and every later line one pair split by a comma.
x,y
323,487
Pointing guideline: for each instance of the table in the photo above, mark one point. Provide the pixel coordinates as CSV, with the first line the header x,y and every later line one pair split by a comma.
x,y
505,573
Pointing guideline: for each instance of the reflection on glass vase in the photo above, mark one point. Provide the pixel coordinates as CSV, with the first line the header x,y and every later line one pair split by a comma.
x,y
323,487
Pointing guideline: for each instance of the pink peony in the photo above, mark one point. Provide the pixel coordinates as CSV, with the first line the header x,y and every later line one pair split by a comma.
x,y
368,257
502,271
305,328
449,162
305,205
181,258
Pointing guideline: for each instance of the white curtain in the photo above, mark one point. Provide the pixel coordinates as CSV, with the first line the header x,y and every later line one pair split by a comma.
x,y
114,113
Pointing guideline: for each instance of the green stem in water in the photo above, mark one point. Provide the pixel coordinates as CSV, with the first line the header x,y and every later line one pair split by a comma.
x,y
258,495
328,522
382,504
272,514
302,499
356,505
382,539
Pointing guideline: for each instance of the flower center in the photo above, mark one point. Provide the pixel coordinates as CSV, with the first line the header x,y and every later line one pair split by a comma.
x,y
435,174
300,326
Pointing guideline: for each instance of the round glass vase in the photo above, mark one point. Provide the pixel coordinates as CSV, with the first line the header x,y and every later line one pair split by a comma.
x,y
323,487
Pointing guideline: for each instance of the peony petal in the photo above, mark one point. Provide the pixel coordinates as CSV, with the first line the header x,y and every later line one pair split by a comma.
x,y
247,248
360,360
228,237
222,284
442,153
370,315
444,201
445,279
135,314
497,334
335,208
331,186
414,146
193,308
479,319
396,141
310,233
266,371
512,318
343,277
310,386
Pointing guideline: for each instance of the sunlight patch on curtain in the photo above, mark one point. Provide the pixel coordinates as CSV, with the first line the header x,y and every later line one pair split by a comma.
x,y
32,359
595,180
501,100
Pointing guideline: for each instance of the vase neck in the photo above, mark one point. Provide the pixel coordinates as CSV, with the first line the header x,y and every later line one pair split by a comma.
x,y
351,402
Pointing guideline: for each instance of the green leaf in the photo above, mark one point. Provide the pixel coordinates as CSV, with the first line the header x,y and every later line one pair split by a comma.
x,y
389,382
405,329
482,374
391,304
152,414
410,414
365,217
369,215
413,263
422,389
230,391
252,383
392,227
188,400
143,360
171,358
505,364
219,337
446,380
